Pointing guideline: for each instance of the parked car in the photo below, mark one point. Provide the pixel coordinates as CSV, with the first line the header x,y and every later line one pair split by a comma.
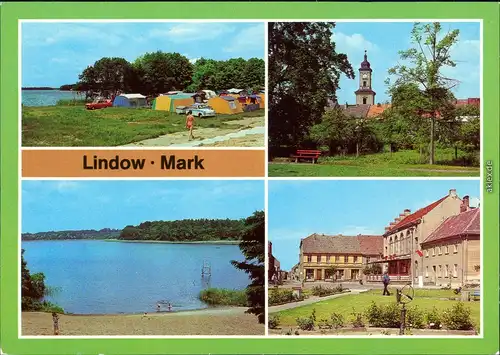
x,y
202,111
98,104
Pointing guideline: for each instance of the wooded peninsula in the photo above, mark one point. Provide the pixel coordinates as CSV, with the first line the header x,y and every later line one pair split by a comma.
x,y
187,230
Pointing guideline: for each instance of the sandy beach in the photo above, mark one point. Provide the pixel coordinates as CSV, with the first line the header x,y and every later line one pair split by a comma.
x,y
213,321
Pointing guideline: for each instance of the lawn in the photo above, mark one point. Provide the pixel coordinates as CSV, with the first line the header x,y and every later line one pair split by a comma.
x,y
346,305
402,163
69,126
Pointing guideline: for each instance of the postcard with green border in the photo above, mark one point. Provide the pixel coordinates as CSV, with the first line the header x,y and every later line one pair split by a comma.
x,y
12,342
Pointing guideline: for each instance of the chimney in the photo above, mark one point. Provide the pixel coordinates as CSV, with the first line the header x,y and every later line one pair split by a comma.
x,y
453,193
464,207
407,212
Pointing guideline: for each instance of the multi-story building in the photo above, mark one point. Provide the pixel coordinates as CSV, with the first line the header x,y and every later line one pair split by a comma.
x,y
337,257
452,252
402,251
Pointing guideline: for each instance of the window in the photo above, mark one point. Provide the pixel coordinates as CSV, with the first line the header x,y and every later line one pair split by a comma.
x,y
440,272
427,253
455,270
396,245
364,83
426,271
385,251
232,105
309,258
446,271
439,251
364,100
446,249
434,251
455,248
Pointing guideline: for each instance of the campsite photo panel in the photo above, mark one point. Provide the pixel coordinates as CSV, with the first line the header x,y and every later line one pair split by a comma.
x,y
172,84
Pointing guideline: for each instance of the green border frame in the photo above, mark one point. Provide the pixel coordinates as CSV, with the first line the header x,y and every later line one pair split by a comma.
x,y
11,12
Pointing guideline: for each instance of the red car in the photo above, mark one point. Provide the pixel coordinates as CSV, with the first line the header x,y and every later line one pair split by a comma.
x,y
98,104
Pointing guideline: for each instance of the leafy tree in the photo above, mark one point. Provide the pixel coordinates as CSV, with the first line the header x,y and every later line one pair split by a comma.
x,y
106,77
252,246
428,57
161,72
304,71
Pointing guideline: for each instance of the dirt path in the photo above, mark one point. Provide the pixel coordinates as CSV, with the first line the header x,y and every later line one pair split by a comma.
x,y
311,300
247,132
213,321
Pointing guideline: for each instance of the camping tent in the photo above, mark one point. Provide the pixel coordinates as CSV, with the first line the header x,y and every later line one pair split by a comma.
x,y
170,102
227,105
130,100
209,94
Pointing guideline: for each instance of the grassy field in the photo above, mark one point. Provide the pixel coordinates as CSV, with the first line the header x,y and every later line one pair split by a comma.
x,y
424,299
402,163
74,126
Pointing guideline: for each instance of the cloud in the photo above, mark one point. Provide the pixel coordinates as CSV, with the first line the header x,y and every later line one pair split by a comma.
x,y
191,31
356,43
250,38
193,60
66,185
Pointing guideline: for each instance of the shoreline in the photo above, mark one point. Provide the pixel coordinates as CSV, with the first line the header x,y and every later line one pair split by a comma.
x,y
215,242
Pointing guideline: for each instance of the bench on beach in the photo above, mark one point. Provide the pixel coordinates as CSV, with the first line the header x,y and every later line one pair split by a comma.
x,y
306,154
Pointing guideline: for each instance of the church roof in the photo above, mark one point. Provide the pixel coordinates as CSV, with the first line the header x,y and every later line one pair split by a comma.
x,y
365,64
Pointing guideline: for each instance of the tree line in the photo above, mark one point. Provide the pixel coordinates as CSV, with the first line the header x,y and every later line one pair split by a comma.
x,y
105,233
304,73
159,72
185,230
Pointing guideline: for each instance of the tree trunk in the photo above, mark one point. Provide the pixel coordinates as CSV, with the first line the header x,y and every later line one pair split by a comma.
x,y
357,149
431,152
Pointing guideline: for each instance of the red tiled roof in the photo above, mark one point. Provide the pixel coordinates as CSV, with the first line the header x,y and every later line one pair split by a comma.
x,y
414,217
461,224
340,244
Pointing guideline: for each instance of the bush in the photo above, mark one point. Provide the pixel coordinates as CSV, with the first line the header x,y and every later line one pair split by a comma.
x,y
281,296
222,296
305,323
357,320
324,324
415,318
322,291
387,316
337,320
458,317
273,322
433,319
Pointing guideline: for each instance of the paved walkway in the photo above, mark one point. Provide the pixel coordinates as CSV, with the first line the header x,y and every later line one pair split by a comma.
x,y
311,300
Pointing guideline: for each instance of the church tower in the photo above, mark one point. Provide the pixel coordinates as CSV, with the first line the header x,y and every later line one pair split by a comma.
x,y
365,95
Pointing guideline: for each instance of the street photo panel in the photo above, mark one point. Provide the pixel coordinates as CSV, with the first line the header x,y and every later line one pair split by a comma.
x,y
372,258
374,98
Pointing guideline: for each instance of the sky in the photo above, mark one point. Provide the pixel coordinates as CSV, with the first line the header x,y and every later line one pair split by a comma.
x,y
55,53
300,208
383,40
54,205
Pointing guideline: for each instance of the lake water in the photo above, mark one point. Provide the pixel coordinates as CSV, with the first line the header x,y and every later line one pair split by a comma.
x,y
99,277
47,97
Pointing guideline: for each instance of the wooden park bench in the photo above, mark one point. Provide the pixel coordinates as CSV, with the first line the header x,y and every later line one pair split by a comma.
x,y
307,154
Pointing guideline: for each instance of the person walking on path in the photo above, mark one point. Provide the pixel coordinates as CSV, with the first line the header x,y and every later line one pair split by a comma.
x,y
190,124
386,280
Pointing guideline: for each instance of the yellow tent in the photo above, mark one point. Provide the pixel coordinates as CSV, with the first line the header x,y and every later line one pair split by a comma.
x,y
226,105
170,102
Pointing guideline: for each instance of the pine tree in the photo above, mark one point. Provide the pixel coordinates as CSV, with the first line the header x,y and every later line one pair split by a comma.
x,y
252,246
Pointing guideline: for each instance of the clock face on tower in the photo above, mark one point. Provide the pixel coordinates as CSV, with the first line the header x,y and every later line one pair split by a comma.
x,y
365,76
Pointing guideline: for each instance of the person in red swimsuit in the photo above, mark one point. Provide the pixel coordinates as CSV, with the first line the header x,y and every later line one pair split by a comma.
x,y
190,124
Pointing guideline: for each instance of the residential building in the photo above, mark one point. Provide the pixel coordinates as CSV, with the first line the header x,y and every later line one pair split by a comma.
x,y
402,254
337,257
452,253
273,272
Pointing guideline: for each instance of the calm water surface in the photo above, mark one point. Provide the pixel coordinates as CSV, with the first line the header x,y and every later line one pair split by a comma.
x,y
47,97
99,277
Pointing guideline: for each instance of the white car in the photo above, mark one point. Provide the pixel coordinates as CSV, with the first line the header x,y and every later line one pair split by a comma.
x,y
201,111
